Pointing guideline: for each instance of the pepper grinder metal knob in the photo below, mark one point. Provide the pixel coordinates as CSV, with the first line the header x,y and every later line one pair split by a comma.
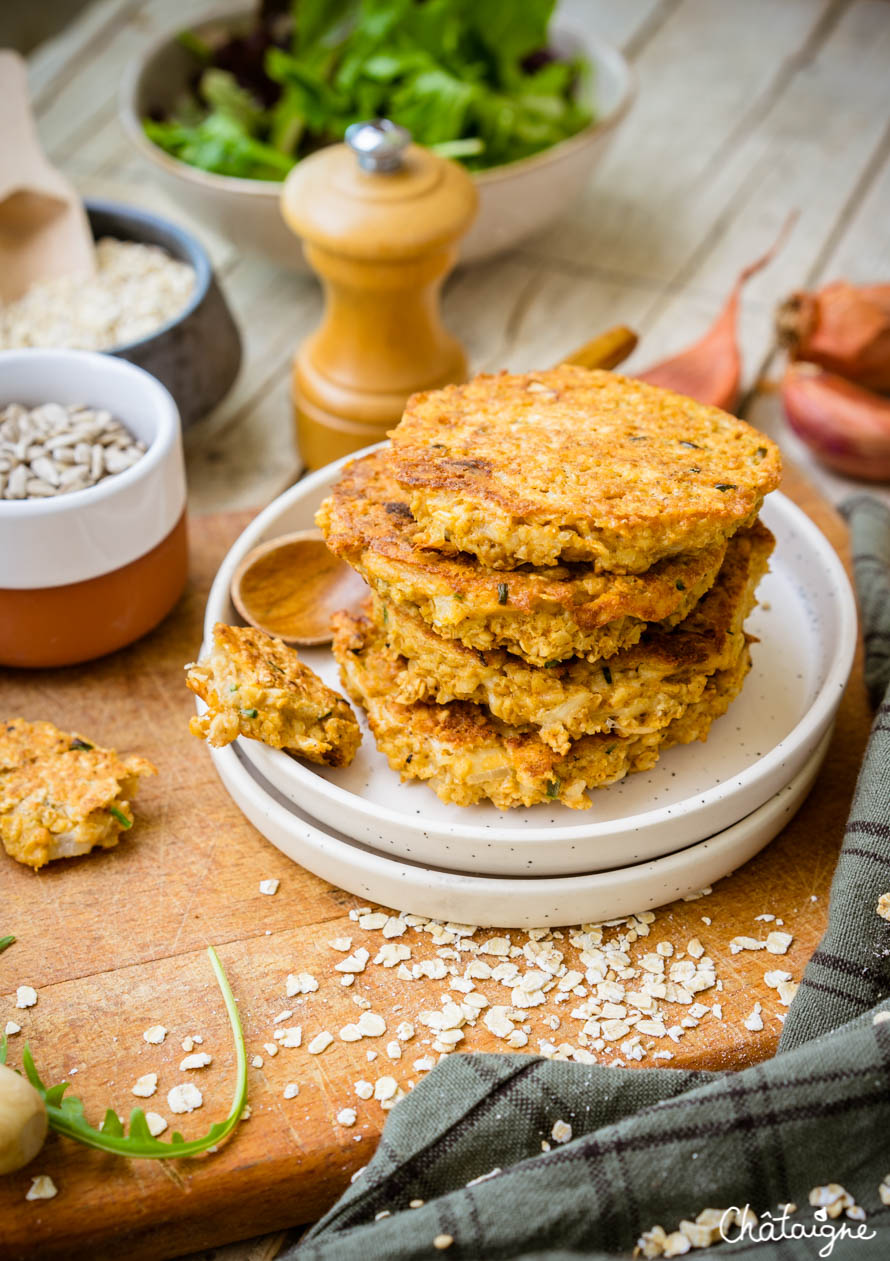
x,y
380,219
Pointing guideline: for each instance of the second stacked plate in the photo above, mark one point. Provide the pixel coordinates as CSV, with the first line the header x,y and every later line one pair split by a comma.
x,y
807,627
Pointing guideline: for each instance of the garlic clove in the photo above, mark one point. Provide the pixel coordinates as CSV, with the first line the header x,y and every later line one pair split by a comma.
x,y
23,1122
847,427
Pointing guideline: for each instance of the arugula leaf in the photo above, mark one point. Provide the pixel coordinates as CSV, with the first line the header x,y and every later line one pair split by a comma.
x,y
5,943
66,1114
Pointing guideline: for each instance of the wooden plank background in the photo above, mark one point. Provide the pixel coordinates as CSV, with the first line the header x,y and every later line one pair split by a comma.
x,y
746,110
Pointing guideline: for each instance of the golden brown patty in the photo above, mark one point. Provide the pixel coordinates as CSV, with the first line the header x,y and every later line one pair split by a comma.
x,y
60,794
640,689
467,755
256,686
542,615
575,465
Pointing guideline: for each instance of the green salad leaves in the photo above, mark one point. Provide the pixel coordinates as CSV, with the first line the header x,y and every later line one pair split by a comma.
x,y
475,78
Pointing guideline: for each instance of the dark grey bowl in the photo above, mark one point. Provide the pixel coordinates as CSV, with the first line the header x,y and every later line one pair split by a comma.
x,y
196,355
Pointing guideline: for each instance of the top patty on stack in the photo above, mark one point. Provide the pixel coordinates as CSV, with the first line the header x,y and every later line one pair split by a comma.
x,y
542,615
576,465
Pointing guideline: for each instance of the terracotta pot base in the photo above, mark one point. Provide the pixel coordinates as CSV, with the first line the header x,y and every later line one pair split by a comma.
x,y
60,626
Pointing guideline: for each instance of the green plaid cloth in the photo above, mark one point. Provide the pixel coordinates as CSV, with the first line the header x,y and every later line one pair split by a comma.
x,y
659,1146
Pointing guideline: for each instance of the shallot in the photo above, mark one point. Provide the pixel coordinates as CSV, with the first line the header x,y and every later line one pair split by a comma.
x,y
844,328
710,371
845,425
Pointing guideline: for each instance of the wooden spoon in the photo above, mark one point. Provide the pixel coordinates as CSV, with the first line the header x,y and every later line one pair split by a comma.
x,y
44,230
289,587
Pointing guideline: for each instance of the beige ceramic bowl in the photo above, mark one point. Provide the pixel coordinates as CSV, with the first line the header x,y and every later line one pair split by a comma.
x,y
515,200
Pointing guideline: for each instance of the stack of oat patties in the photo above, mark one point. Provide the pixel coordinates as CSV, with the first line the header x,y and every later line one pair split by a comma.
x,y
561,564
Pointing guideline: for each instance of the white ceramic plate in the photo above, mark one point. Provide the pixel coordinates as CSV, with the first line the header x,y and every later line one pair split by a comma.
x,y
511,902
807,626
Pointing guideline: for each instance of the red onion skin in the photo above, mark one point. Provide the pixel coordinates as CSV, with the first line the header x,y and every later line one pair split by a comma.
x,y
845,426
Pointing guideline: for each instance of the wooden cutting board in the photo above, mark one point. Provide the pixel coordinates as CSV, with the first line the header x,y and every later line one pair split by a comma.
x,y
115,943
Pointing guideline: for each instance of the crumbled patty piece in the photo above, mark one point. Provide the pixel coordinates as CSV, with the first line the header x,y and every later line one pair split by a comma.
x,y
466,755
577,465
640,689
542,615
60,794
256,686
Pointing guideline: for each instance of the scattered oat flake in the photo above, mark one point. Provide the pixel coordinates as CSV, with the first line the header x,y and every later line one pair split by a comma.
x,y
12,1028
300,983
269,887
778,943
880,1017
364,1089
320,1043
42,1188
561,1132
156,1123
775,978
291,1037
385,1088
372,920
343,944
356,962
200,1059
256,1062
441,1242
883,907
271,1048
754,1022
884,1190
291,1090
786,991
155,1035
371,1025
26,996
146,1086
184,1098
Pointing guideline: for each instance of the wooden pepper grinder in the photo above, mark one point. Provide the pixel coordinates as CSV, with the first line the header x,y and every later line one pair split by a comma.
x,y
380,219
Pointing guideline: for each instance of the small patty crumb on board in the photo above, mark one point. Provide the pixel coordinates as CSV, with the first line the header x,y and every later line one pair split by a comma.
x,y
256,686
576,465
61,795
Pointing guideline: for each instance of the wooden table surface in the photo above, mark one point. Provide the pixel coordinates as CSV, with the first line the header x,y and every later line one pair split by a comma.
x,y
745,110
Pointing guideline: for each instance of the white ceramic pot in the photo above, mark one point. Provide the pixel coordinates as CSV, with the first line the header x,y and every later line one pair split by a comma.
x,y
515,200
84,573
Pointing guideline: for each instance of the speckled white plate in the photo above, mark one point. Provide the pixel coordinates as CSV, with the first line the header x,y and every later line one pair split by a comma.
x,y
512,901
807,627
